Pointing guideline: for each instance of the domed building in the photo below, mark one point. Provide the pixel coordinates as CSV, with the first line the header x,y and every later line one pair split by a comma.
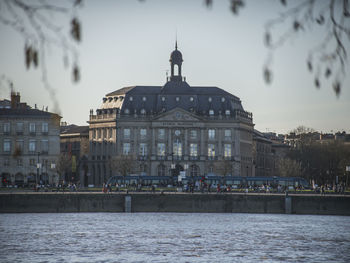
x,y
171,128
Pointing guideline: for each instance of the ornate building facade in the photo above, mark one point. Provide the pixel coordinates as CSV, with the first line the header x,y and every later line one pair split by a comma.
x,y
171,128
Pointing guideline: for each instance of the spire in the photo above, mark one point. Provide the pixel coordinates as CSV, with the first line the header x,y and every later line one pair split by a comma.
x,y
176,39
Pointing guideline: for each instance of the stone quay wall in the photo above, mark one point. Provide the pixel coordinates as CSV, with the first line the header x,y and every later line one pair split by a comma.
x,y
174,202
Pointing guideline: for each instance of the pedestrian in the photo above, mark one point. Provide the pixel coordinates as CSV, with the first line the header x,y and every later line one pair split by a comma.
x,y
218,188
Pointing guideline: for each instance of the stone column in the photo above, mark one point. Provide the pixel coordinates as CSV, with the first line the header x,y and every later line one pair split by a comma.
x,y
169,147
135,148
219,140
202,143
186,142
118,142
154,141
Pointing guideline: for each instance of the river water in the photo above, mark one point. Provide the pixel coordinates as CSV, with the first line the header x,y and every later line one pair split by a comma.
x,y
173,237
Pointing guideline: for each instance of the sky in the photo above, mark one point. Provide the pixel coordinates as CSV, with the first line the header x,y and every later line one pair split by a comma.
x,y
126,43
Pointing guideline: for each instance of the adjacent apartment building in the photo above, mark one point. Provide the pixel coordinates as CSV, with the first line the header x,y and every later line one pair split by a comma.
x,y
171,128
29,144
74,154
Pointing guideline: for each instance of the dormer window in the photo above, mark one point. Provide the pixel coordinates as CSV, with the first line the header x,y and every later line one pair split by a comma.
x,y
222,99
177,98
227,112
144,98
211,112
131,98
209,99
126,111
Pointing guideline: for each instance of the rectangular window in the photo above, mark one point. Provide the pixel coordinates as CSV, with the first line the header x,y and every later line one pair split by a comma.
x,y
6,162
45,146
32,145
7,145
32,127
227,150
227,134
126,133
143,133
211,150
161,134
143,149
193,134
193,150
7,128
177,148
211,134
19,162
126,148
19,127
45,127
161,149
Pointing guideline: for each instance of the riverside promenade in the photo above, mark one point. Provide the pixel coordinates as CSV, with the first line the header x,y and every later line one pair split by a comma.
x,y
58,202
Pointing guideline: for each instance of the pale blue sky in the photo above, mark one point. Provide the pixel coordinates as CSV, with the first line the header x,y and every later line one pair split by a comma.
x,y
129,43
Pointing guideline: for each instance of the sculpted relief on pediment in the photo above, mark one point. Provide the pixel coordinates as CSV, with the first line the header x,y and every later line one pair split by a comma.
x,y
178,115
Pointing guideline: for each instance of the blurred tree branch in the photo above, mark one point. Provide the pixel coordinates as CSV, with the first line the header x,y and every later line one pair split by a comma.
x,y
326,61
40,24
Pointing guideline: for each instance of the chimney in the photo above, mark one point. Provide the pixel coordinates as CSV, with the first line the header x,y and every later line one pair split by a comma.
x,y
15,100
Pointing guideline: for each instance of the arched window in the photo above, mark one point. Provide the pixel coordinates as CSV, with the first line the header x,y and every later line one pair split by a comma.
x,y
176,70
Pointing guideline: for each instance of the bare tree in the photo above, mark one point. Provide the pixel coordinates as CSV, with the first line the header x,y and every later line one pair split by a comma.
x,y
123,164
64,165
38,22
223,167
302,130
288,168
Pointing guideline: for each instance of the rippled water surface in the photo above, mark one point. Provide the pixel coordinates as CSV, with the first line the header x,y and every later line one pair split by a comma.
x,y
170,237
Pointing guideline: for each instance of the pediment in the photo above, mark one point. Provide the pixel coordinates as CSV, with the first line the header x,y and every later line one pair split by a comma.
x,y
177,114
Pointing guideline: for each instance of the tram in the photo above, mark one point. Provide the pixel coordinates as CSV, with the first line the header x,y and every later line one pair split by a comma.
x,y
234,181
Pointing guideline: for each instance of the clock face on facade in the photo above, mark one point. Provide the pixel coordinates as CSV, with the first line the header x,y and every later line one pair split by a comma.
x,y
177,115
177,132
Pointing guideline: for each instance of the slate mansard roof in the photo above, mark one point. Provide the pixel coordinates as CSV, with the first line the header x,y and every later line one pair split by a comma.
x,y
176,93
173,94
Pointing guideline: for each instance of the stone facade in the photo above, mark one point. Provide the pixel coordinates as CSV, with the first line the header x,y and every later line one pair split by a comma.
x,y
29,144
75,148
171,128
